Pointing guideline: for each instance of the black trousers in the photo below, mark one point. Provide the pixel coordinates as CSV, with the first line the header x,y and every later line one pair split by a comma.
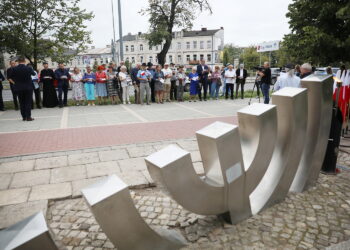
x,y
240,82
229,86
1,100
14,96
37,94
203,84
153,98
63,89
25,102
173,91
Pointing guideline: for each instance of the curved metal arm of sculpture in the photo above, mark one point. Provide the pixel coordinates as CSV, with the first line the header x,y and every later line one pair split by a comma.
x,y
172,167
319,123
292,121
31,233
258,133
113,208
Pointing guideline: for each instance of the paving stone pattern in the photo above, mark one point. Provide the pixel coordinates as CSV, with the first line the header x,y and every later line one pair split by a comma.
x,y
314,219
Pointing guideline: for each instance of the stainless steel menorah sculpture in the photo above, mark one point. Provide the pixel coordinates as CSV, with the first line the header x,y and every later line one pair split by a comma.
x,y
275,149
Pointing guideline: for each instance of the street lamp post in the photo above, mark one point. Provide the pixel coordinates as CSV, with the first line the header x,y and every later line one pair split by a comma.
x,y
121,52
113,42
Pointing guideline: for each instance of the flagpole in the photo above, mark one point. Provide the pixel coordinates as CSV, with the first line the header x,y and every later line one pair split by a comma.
x,y
113,43
121,51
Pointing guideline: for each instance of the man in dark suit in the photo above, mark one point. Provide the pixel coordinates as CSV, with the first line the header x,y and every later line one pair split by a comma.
x,y
14,94
241,76
2,78
62,75
203,71
21,75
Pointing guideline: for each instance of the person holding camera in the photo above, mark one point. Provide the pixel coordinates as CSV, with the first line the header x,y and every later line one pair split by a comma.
x,y
265,74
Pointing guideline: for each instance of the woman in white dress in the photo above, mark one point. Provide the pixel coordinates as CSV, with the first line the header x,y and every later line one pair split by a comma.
x,y
77,87
125,81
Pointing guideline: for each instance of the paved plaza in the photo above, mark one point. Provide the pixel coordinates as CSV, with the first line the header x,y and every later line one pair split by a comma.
x,y
44,166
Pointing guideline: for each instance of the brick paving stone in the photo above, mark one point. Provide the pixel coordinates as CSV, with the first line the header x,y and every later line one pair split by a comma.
x,y
78,185
51,162
132,164
66,174
14,196
11,214
16,166
51,191
113,155
31,178
141,151
83,158
102,169
5,180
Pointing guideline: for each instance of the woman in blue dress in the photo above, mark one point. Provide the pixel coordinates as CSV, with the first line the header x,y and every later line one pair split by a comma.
x,y
194,78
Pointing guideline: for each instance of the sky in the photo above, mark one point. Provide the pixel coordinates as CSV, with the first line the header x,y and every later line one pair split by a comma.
x,y
246,22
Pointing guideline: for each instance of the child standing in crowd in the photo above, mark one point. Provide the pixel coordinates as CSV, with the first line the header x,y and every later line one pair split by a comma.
x,y
193,76
159,84
101,89
125,82
181,80
90,80
112,85
77,86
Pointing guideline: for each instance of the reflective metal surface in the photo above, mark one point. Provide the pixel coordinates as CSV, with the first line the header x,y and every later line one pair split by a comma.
x,y
172,168
319,123
113,208
31,233
221,153
292,121
258,133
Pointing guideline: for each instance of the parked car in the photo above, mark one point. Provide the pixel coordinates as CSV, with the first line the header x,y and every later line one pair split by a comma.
x,y
322,71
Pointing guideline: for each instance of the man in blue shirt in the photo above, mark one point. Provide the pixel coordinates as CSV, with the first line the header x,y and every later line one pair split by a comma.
x,y
62,75
144,76
136,82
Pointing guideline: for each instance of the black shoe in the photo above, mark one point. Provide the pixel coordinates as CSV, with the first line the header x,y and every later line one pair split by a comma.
x,y
24,119
66,105
30,119
39,107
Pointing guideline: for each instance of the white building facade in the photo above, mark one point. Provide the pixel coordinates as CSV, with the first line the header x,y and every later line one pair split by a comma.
x,y
187,47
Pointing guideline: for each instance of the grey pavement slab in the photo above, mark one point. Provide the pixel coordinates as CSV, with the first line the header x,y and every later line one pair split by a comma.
x,y
16,166
102,169
70,173
14,196
78,185
113,155
51,162
132,164
51,191
30,178
12,214
5,180
83,158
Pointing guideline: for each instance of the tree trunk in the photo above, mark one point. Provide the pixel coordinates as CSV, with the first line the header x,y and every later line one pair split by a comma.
x,y
35,40
161,56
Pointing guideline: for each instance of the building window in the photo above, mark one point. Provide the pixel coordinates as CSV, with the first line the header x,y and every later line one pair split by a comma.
x,y
141,47
179,46
171,46
195,57
157,48
170,59
202,45
179,59
141,59
101,60
208,44
201,57
132,49
126,48
209,58
188,58
151,59
107,60
150,48
188,45
133,59
194,44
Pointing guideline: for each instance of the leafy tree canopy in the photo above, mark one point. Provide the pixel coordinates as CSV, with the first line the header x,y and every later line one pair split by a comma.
x,y
43,28
320,31
165,15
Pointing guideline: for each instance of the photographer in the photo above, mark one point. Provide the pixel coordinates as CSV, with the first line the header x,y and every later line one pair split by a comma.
x,y
265,74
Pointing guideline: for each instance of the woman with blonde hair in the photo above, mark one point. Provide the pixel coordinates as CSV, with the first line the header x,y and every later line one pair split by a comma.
x,y
125,82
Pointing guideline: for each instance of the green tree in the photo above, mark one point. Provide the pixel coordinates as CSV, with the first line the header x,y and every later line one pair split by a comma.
x,y
251,58
320,31
43,28
230,53
165,15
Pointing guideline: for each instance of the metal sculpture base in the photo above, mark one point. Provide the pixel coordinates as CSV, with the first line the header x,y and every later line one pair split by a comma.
x,y
31,233
114,209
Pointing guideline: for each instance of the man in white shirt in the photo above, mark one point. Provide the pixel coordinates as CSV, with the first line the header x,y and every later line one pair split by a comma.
x,y
288,79
230,76
167,82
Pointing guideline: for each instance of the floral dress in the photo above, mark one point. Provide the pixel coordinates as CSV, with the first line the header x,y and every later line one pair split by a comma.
x,y
77,87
